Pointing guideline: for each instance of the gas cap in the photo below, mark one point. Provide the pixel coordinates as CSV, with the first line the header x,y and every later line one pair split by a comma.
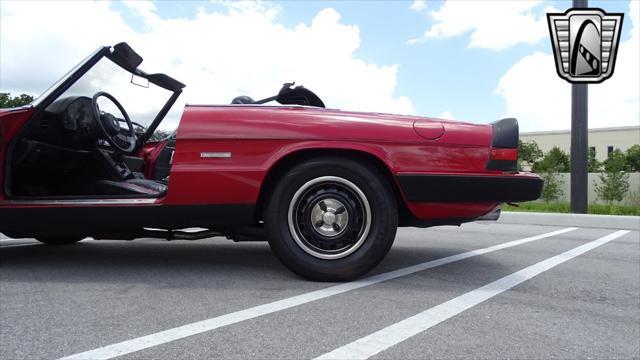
x,y
429,130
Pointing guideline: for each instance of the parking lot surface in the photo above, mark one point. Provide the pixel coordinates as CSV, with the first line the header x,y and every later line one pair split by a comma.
x,y
475,291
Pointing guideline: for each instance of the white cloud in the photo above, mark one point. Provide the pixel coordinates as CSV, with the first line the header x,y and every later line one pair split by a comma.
x,y
146,9
418,5
494,25
535,94
218,54
447,115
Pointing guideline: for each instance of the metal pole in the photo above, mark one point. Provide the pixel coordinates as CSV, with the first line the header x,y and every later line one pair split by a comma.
x,y
579,140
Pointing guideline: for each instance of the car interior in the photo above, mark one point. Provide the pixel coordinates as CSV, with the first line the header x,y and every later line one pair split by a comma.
x,y
73,149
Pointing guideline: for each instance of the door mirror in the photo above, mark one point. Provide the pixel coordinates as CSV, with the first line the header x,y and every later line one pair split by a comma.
x,y
125,56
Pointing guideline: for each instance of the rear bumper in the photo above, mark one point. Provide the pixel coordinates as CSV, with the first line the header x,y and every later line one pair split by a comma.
x,y
470,188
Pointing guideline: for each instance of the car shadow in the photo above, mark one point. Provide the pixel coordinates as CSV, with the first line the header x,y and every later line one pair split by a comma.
x,y
177,263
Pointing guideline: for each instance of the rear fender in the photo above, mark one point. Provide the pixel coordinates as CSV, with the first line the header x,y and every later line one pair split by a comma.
x,y
319,146
292,154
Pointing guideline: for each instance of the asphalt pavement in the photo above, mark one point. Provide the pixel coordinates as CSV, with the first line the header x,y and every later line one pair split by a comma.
x,y
481,290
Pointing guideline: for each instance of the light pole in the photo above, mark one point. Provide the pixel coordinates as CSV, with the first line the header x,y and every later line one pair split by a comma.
x,y
579,140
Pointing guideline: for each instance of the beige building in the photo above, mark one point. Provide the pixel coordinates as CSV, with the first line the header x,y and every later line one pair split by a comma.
x,y
603,140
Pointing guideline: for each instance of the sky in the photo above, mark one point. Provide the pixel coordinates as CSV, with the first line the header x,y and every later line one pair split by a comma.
x,y
475,61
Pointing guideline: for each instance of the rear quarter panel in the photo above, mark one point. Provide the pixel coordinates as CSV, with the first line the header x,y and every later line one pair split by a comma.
x,y
258,137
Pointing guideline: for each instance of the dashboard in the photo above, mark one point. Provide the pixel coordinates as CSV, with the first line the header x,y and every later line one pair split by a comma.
x,y
67,122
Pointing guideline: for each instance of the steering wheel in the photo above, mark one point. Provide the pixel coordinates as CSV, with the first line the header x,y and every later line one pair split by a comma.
x,y
110,126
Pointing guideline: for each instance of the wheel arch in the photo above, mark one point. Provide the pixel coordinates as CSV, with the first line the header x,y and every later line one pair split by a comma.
x,y
286,162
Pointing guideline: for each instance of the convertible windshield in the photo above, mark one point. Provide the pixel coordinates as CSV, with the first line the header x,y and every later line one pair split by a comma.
x,y
142,103
66,76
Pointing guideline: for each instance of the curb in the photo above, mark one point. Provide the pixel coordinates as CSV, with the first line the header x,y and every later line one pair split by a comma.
x,y
578,220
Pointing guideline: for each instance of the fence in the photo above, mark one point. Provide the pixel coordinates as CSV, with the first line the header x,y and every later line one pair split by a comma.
x,y
634,189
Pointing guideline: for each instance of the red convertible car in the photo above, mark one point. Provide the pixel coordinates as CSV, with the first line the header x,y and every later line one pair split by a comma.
x,y
327,188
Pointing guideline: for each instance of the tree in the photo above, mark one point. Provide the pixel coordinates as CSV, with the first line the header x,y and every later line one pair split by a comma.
x,y
633,158
552,188
6,101
614,182
616,162
528,153
612,186
555,160
593,165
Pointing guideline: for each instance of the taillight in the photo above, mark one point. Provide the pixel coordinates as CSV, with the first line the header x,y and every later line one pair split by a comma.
x,y
504,146
504,154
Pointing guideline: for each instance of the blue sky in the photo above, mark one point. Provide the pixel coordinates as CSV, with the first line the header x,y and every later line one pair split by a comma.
x,y
220,45
438,75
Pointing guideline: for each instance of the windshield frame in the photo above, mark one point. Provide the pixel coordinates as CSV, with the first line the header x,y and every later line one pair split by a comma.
x,y
93,59
69,79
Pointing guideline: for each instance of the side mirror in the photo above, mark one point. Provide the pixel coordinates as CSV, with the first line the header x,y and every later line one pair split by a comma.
x,y
125,56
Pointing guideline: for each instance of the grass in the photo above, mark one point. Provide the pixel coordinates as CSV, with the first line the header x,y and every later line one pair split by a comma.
x,y
565,208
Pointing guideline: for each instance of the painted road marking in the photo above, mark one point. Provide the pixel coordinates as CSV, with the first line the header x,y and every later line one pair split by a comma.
x,y
11,242
372,344
19,245
162,337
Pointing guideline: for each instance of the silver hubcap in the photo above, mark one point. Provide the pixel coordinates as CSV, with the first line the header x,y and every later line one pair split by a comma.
x,y
329,217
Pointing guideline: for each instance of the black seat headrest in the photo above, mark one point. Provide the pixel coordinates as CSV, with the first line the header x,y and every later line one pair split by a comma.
x,y
242,99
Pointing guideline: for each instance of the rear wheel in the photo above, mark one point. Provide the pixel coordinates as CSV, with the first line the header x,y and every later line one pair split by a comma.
x,y
59,240
331,219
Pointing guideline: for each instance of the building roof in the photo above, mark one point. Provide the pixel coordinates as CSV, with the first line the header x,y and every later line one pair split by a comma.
x,y
618,128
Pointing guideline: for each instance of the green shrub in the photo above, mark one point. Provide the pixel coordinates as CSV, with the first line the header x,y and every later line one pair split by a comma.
x,y
632,158
552,189
614,182
528,153
555,160
535,206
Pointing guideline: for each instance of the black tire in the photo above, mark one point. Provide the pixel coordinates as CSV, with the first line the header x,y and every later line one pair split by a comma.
x,y
345,253
59,240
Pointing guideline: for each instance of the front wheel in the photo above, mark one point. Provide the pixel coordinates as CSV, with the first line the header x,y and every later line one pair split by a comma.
x,y
331,219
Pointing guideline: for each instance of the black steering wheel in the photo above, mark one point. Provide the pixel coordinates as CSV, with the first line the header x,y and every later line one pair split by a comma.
x,y
109,125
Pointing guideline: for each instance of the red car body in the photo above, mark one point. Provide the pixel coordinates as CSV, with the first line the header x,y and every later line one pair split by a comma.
x,y
228,159
261,137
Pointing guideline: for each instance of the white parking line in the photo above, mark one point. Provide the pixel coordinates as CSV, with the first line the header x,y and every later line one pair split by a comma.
x,y
19,245
162,337
370,345
12,242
